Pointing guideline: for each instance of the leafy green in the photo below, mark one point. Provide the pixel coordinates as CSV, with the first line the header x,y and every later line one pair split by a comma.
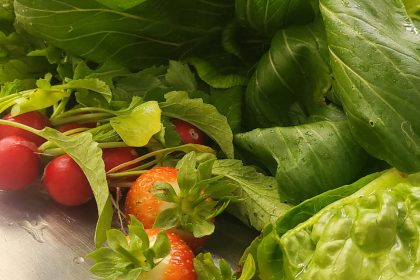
x,y
126,257
267,17
306,159
180,77
229,103
206,269
266,250
219,69
413,9
137,127
204,116
372,232
294,70
260,201
148,33
47,95
375,60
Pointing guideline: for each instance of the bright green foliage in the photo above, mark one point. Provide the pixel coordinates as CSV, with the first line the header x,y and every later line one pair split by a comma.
x,y
206,269
126,257
375,58
306,159
293,73
148,33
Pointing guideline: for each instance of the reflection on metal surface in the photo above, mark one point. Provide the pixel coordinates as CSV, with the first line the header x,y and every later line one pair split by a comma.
x,y
40,240
35,228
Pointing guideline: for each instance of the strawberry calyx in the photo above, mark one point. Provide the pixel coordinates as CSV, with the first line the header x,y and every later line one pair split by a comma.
x,y
206,269
196,198
127,257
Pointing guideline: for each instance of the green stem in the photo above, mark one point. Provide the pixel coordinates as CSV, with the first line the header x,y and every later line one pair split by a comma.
x,y
59,109
21,126
126,174
163,153
58,151
83,110
94,117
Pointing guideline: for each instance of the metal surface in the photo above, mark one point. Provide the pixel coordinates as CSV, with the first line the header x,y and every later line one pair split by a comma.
x,y
40,240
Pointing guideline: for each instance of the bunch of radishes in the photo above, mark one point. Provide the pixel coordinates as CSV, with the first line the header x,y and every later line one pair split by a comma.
x,y
21,162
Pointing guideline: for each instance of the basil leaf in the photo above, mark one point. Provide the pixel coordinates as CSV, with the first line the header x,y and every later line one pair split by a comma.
x,y
376,64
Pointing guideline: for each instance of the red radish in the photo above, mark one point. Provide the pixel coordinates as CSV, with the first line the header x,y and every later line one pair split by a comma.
x,y
115,156
189,133
19,163
33,119
70,126
178,265
65,182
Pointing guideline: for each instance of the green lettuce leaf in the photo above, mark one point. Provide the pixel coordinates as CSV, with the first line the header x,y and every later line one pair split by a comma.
x,y
148,33
294,71
204,116
266,249
376,64
373,232
306,159
267,17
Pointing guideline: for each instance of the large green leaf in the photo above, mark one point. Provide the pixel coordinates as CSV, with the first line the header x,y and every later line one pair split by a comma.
x,y
371,234
148,33
266,249
261,203
306,159
295,69
268,16
375,56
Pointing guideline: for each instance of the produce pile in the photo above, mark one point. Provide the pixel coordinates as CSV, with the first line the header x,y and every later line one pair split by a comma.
x,y
300,118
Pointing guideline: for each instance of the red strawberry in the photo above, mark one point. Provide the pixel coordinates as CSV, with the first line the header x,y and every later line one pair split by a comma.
x,y
144,254
177,265
185,201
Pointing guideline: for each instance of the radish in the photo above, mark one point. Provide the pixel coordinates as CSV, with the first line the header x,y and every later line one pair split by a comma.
x,y
189,133
65,182
33,119
115,156
19,163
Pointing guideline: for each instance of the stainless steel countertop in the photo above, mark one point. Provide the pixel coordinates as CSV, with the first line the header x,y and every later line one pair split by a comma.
x,y
41,240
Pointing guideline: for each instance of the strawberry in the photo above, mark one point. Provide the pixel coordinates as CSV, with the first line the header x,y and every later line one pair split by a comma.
x,y
143,254
184,199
